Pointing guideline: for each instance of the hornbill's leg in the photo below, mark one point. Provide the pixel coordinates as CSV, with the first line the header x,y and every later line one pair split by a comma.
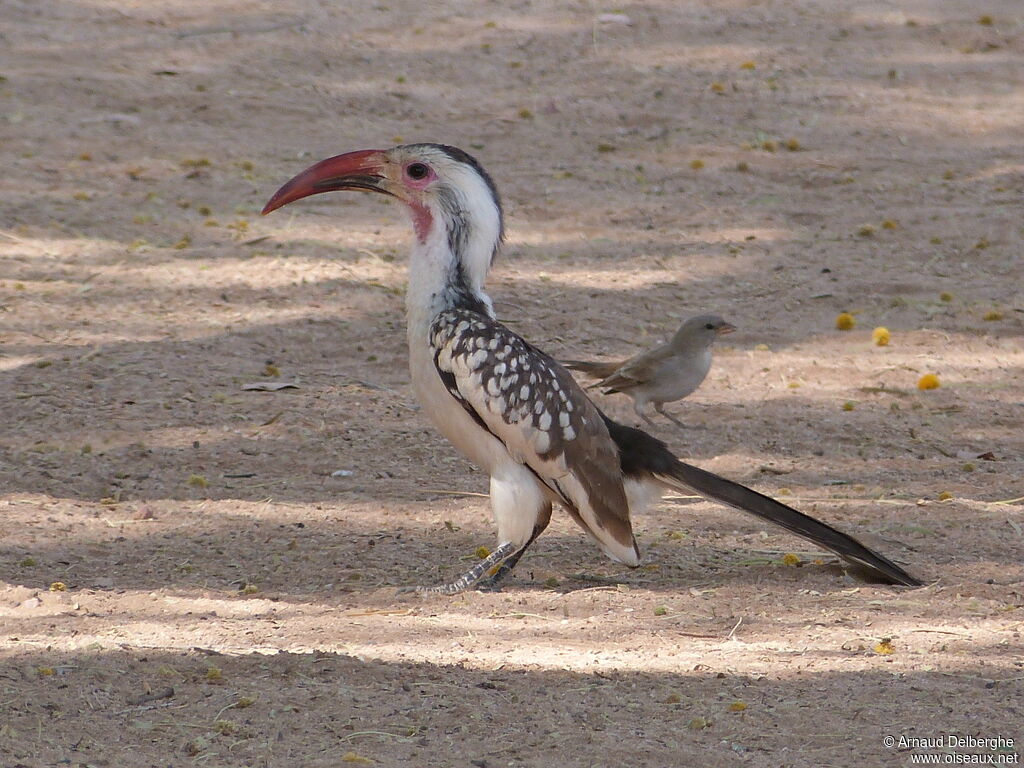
x,y
492,582
470,577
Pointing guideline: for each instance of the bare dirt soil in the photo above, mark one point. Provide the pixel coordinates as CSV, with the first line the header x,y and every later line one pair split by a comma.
x,y
192,574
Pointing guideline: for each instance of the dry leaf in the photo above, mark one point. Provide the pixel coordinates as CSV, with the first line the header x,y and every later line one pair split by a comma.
x,y
269,386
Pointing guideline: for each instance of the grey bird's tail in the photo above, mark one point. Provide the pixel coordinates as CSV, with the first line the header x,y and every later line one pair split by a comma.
x,y
592,368
642,454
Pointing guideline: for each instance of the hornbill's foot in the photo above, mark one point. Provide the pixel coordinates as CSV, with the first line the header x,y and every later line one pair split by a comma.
x,y
493,583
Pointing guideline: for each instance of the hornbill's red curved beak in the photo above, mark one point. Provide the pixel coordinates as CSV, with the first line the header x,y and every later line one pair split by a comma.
x,y
363,169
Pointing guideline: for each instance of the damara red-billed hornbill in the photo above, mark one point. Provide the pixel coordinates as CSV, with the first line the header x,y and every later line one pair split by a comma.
x,y
507,406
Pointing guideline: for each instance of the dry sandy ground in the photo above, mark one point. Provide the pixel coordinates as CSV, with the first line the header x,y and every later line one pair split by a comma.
x,y
229,597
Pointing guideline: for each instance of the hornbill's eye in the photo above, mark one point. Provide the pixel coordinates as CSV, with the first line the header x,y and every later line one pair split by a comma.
x,y
417,171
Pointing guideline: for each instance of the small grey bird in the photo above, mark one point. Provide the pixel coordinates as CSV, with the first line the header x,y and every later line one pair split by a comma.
x,y
663,374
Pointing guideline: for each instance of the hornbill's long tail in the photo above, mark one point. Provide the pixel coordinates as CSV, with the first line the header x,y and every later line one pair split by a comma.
x,y
644,455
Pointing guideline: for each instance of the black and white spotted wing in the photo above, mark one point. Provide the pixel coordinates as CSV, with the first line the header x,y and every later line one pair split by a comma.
x,y
536,409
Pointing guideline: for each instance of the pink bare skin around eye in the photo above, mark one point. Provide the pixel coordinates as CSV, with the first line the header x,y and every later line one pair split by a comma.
x,y
421,219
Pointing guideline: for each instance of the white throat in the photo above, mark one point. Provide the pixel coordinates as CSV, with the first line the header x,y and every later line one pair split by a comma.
x,y
438,277
447,268
432,268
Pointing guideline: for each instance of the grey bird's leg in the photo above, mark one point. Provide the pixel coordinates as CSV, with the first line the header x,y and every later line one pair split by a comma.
x,y
660,408
639,405
470,577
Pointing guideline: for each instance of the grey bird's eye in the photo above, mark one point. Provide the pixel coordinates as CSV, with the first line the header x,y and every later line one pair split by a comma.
x,y
710,326
417,171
